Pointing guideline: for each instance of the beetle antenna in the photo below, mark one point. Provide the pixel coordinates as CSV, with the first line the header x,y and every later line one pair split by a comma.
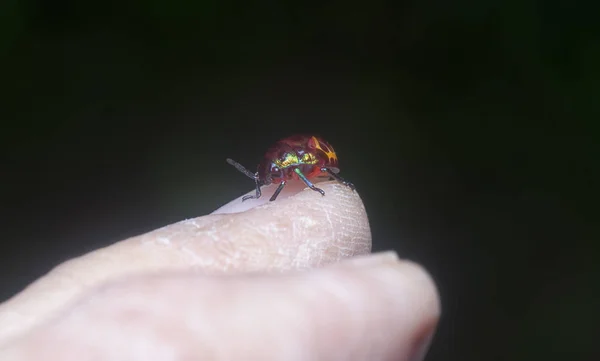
x,y
241,168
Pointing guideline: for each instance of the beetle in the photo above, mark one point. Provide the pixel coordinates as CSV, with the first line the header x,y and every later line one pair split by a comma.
x,y
296,157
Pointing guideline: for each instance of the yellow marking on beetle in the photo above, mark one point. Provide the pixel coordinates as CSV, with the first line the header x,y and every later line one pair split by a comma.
x,y
329,152
309,158
288,160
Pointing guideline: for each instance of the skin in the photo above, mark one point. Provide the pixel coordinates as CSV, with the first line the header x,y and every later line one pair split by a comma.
x,y
286,280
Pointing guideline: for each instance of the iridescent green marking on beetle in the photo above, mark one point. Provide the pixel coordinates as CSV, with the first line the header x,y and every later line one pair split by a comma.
x,y
288,160
291,159
309,158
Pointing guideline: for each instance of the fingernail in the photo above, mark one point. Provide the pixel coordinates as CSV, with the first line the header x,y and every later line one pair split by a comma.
x,y
376,259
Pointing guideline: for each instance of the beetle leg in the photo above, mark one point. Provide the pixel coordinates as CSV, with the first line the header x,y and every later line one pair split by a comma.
x,y
308,183
338,178
258,192
241,168
277,191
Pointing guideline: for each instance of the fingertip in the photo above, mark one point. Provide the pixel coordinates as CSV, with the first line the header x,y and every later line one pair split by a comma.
x,y
317,229
300,230
395,306
238,205
294,191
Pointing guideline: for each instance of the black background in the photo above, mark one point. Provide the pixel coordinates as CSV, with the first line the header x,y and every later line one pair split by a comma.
x,y
468,127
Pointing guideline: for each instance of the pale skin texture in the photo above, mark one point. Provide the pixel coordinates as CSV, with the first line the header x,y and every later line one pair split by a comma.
x,y
256,280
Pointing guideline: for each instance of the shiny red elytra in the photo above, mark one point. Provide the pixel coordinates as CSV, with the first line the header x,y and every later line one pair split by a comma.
x,y
296,157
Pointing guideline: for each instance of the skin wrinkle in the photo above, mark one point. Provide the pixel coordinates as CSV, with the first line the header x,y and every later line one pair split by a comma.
x,y
298,231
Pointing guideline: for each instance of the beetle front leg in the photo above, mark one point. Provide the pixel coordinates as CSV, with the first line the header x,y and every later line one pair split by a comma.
x,y
258,192
277,191
308,183
338,178
241,168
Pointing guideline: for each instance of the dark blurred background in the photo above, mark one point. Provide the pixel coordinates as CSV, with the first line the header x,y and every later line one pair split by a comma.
x,y
469,128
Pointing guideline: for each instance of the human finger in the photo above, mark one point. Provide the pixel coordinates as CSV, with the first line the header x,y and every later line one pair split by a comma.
x,y
375,308
299,231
